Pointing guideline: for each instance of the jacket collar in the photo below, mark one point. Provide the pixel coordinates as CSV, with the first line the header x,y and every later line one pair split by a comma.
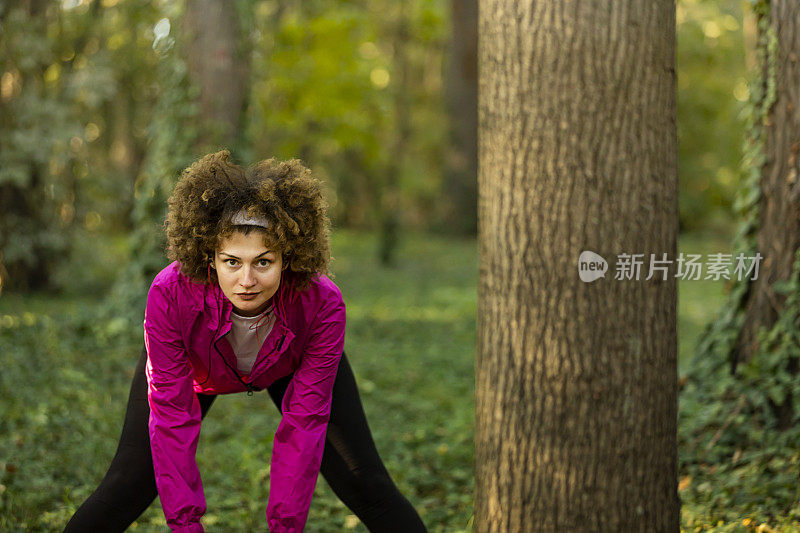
x,y
217,310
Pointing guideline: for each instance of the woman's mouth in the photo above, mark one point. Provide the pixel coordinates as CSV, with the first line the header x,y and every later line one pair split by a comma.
x,y
247,295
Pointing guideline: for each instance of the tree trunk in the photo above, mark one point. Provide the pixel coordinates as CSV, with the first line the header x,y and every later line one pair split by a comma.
x,y
217,67
779,207
461,82
576,382
390,192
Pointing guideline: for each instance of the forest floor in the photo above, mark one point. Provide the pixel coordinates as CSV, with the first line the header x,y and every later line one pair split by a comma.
x,y
410,340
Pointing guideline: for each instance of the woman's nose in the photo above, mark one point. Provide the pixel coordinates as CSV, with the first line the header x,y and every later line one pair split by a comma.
x,y
248,280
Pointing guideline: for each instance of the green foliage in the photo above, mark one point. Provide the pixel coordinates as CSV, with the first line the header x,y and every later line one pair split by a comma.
x,y
325,83
739,466
410,341
737,472
173,133
712,89
75,85
35,125
718,340
736,467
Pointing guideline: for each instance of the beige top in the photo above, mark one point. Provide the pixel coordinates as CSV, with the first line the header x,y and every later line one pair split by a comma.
x,y
246,341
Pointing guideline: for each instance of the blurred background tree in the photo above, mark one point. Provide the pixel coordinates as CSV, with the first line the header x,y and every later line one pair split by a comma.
x,y
459,213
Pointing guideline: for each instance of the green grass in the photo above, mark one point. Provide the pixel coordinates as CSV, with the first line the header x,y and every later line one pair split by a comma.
x,y
698,300
410,340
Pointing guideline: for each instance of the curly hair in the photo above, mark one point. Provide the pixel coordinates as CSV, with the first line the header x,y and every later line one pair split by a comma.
x,y
212,190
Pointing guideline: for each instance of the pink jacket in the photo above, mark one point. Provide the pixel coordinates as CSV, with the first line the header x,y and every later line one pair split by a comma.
x,y
184,327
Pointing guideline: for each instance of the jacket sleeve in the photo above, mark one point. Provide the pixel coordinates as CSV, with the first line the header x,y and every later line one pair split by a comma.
x,y
300,438
174,415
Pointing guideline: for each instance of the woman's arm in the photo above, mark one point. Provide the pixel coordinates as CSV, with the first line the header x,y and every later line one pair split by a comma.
x,y
174,415
300,438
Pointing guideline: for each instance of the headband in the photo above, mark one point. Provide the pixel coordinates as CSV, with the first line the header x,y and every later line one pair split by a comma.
x,y
243,219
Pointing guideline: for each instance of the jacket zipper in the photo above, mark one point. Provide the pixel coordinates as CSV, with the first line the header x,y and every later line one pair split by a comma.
x,y
235,372
275,349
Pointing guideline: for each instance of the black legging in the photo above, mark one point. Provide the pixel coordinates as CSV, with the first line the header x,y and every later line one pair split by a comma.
x,y
350,464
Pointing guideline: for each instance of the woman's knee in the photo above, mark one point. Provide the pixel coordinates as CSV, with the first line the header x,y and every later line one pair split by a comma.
x,y
370,487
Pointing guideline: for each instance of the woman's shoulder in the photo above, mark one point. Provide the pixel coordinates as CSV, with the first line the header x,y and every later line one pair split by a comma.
x,y
321,312
174,282
169,275
321,298
322,290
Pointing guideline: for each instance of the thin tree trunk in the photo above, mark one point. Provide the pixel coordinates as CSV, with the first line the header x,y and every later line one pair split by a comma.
x,y
576,382
390,192
217,67
460,209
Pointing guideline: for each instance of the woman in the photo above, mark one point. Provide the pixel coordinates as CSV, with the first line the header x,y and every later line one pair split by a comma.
x,y
245,305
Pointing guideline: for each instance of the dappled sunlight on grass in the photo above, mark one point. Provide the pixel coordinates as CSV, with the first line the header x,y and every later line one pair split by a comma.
x,y
387,313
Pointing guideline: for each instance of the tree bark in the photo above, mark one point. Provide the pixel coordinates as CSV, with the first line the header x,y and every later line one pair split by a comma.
x,y
576,383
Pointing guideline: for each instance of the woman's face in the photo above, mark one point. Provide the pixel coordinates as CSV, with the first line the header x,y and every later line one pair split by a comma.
x,y
248,271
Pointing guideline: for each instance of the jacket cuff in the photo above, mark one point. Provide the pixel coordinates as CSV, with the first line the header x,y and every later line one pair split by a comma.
x,y
283,525
191,527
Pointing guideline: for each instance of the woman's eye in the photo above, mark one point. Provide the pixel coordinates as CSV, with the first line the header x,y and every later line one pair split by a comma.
x,y
230,262
264,262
